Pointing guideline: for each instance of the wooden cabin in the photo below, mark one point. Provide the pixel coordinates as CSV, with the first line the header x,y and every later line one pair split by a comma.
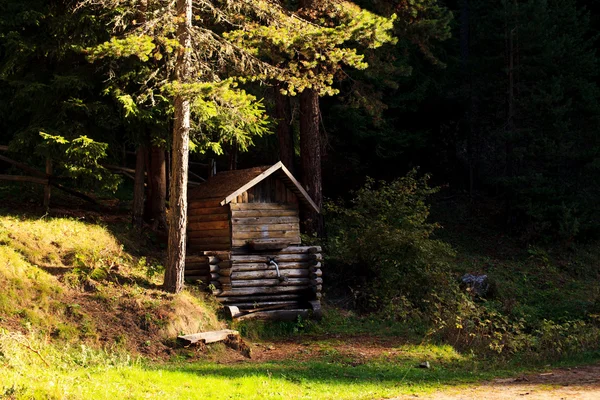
x,y
244,243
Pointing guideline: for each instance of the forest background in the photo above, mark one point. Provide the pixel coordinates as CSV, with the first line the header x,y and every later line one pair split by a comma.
x,y
488,112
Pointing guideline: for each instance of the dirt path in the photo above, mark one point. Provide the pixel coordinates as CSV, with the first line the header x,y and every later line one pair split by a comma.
x,y
577,383
581,383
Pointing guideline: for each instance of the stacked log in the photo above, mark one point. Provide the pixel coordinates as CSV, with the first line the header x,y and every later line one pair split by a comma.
x,y
250,282
220,265
251,279
197,268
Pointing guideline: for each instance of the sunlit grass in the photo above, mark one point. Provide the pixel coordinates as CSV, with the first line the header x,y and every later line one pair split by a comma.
x,y
325,377
58,276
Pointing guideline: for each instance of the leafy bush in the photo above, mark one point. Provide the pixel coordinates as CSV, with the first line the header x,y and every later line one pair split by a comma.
x,y
381,246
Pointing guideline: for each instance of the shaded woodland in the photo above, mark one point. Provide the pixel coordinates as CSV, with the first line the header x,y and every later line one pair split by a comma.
x,y
457,104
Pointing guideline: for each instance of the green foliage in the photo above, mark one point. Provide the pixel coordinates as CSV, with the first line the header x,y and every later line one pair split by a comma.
x,y
309,55
80,159
382,242
222,113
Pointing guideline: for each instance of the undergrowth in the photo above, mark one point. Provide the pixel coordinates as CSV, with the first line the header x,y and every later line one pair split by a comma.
x,y
382,246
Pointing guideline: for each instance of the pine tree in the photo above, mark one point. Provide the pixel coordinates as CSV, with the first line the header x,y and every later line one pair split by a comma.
x,y
308,57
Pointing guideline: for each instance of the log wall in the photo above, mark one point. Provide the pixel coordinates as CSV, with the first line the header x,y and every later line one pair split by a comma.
x,y
209,226
248,280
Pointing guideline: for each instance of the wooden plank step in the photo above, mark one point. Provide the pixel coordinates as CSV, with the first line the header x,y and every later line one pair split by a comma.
x,y
207,337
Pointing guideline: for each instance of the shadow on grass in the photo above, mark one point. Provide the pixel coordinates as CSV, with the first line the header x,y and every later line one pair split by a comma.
x,y
327,372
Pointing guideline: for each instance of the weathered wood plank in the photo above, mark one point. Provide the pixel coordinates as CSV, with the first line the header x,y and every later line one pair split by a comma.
x,y
264,213
206,247
291,250
258,266
261,298
254,258
208,233
270,234
247,291
260,304
193,204
203,226
270,274
193,278
208,241
215,257
266,227
207,210
265,220
269,282
208,218
196,259
207,337
263,206
264,244
197,267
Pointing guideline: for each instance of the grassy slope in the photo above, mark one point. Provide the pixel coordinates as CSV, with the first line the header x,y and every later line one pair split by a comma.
x,y
72,282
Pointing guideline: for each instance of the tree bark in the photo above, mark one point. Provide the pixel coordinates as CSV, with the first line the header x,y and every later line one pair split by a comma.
x,y
157,189
174,272
310,152
138,188
283,114
310,145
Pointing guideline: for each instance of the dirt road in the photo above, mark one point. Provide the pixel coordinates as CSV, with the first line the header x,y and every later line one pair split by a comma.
x,y
581,383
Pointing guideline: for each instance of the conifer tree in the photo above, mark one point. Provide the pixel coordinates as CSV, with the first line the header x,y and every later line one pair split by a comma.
x,y
308,57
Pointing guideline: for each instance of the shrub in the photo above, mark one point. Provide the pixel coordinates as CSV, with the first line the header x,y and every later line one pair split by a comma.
x,y
381,246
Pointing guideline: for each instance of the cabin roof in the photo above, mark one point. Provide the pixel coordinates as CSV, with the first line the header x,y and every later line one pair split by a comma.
x,y
227,185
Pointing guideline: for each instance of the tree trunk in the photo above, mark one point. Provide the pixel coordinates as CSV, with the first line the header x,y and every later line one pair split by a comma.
x,y
138,188
179,180
310,152
157,189
283,114
310,145
233,155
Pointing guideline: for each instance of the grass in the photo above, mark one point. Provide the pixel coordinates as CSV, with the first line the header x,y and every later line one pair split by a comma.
x,y
72,281
82,373
86,373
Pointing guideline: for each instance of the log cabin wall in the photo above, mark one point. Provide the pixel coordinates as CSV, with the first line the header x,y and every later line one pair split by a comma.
x,y
209,226
248,280
268,210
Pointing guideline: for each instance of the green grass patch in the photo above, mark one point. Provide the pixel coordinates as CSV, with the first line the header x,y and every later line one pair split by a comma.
x,y
81,373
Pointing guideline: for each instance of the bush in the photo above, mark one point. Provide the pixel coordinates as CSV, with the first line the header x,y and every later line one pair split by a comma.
x,y
381,246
